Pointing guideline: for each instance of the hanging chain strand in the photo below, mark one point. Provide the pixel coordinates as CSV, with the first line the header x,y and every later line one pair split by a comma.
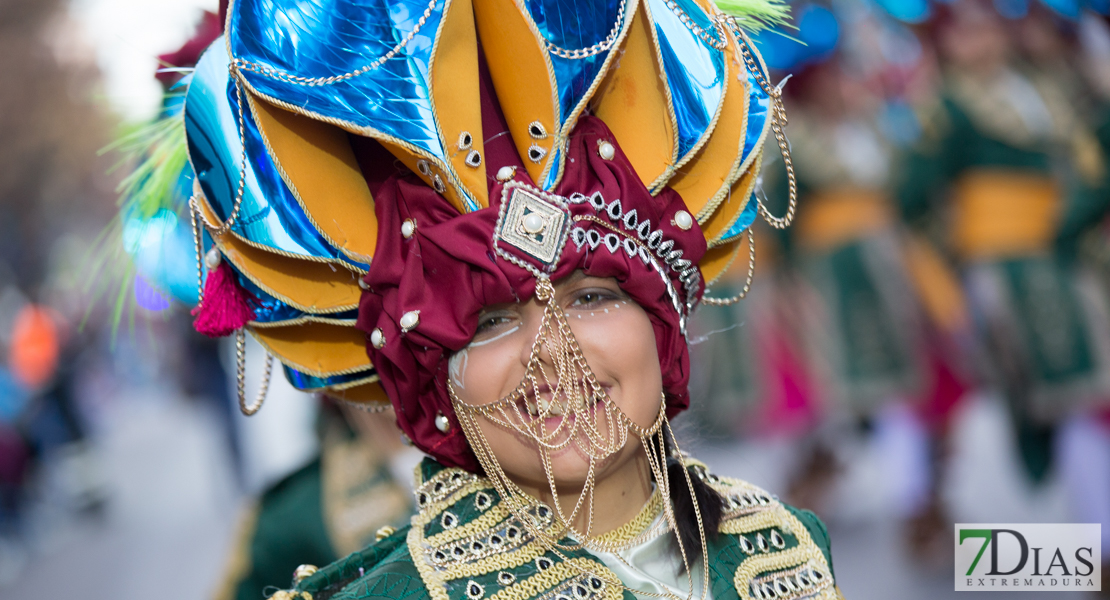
x,y
272,73
597,48
241,375
194,202
747,284
778,122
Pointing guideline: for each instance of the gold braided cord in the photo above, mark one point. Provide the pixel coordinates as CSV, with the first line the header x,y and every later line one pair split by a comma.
x,y
214,229
198,241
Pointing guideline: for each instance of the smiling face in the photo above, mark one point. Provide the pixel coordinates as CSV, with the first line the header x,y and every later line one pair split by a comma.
x,y
617,341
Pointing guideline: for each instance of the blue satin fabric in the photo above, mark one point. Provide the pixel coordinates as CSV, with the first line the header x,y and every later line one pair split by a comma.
x,y
695,70
325,38
269,215
311,383
575,25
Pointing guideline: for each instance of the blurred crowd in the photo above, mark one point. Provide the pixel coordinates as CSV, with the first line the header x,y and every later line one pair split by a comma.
x,y
950,247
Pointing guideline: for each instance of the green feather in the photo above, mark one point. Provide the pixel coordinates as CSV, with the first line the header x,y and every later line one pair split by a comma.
x,y
156,154
756,15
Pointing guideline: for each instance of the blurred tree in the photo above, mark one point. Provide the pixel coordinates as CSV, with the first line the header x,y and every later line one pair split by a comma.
x,y
51,126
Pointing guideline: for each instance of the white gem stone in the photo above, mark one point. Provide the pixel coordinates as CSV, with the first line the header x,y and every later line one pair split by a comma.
x,y
408,228
606,150
683,220
442,423
212,259
377,338
506,173
410,320
533,223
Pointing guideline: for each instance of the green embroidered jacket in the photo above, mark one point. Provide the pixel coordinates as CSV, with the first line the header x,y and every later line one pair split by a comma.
x,y
464,545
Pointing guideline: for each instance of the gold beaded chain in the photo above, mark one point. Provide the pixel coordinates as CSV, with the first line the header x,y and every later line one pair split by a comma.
x,y
581,404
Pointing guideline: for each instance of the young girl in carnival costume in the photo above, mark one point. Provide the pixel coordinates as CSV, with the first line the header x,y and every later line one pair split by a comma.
x,y
497,218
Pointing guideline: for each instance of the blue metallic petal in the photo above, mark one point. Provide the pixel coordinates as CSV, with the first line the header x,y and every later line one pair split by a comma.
x,y
575,25
311,383
759,105
325,38
269,214
695,70
270,310
743,221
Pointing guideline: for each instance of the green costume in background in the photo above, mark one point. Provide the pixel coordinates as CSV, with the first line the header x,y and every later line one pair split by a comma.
x,y
1007,171
329,508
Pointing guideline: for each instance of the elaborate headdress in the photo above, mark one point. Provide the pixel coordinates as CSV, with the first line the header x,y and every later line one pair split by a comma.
x,y
370,175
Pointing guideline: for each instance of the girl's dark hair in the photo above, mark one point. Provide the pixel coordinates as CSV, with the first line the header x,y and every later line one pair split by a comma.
x,y
709,502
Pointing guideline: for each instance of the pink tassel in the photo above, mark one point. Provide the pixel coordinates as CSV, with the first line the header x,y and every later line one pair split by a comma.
x,y
226,305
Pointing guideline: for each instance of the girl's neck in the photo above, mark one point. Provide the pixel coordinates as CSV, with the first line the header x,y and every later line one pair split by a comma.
x,y
618,497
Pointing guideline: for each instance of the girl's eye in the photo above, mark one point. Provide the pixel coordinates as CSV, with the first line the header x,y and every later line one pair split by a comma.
x,y
592,297
489,322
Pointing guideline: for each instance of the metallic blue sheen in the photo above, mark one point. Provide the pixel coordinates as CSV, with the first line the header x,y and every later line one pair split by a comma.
x,y
553,174
575,25
695,70
759,105
285,207
743,221
268,309
269,214
310,383
325,38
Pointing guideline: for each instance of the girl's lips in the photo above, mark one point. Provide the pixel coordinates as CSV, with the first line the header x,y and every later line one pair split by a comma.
x,y
530,405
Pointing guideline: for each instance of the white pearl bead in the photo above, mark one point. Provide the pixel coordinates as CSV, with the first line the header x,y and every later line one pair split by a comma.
x,y
377,338
606,150
506,173
442,423
533,223
212,259
683,220
410,320
362,284
408,228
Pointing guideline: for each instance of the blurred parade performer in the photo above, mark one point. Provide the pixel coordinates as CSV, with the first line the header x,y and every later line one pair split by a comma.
x,y
1001,177
504,241
336,504
881,326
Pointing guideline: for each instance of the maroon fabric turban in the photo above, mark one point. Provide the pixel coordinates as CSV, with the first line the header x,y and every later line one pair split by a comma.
x,y
448,270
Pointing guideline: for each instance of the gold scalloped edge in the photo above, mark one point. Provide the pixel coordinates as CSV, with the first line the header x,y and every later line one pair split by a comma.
x,y
251,103
302,368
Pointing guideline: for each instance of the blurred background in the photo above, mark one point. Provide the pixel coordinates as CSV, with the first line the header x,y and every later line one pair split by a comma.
x,y
928,344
